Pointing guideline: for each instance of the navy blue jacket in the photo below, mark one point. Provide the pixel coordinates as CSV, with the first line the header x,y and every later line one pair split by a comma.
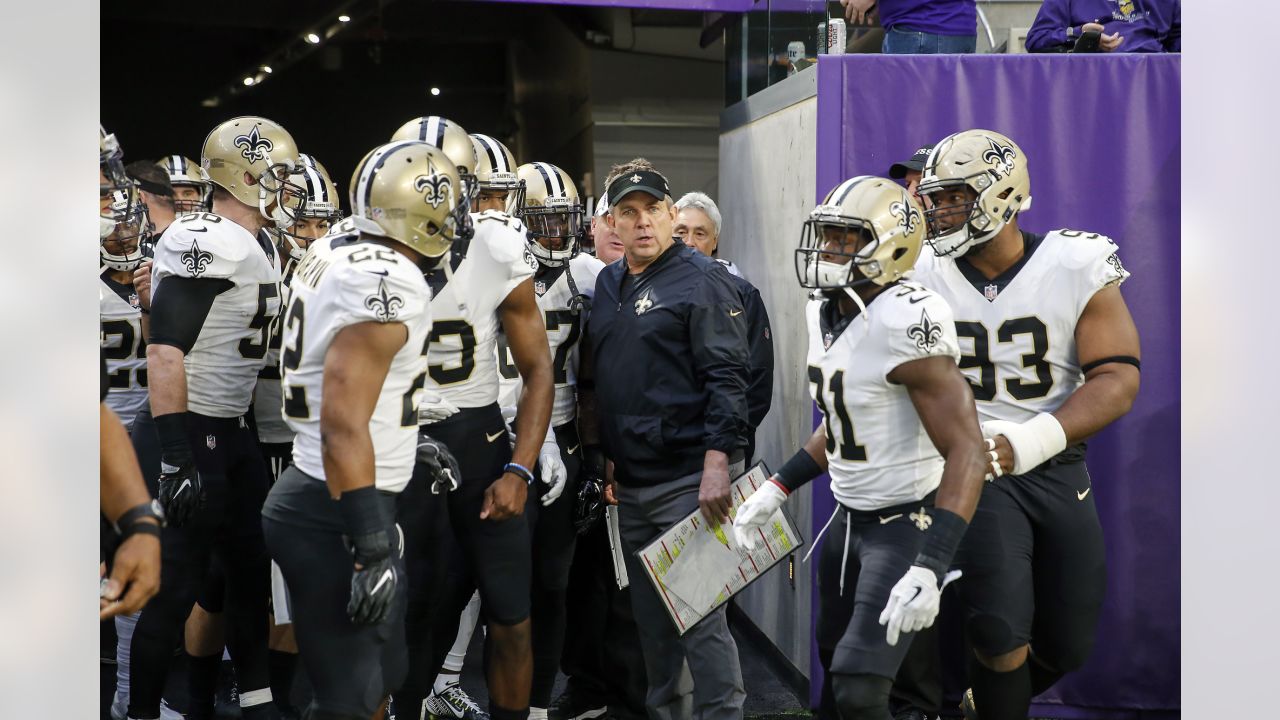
x,y
760,349
671,365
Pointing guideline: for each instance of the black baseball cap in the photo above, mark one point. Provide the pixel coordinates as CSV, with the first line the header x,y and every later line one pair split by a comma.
x,y
898,170
640,180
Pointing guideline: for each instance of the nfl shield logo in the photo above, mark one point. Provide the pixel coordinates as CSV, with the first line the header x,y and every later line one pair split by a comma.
x,y
211,442
539,287
827,340
133,300
990,292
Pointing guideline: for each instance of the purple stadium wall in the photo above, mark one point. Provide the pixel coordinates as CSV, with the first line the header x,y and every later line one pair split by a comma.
x,y
1103,137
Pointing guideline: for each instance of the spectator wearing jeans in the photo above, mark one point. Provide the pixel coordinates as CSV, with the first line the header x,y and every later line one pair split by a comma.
x,y
1126,25
920,27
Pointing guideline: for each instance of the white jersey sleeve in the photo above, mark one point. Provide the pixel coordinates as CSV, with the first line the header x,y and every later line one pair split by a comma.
x,y
920,325
340,283
222,367
1093,261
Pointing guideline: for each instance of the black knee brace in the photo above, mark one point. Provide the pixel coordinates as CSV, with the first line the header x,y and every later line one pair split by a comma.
x,y
861,697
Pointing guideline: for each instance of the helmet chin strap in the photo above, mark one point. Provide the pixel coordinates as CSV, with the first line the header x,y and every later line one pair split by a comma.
x,y
857,299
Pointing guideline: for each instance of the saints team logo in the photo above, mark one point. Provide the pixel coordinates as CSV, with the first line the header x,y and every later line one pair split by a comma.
x,y
195,260
530,259
926,333
1001,155
921,519
909,218
644,303
435,189
253,146
385,305
1114,262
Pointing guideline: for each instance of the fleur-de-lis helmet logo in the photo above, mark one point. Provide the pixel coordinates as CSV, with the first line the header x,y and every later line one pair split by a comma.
x,y
385,305
253,146
195,260
435,188
926,333
909,218
1001,155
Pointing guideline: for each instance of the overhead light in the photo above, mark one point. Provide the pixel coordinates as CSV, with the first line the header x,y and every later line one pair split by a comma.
x,y
435,91
344,18
211,102
313,38
266,69
248,81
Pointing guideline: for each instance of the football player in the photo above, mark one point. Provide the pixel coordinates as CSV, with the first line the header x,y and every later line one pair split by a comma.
x,y
499,186
215,294
899,436
192,191
564,283
354,364
1052,355
483,282
119,308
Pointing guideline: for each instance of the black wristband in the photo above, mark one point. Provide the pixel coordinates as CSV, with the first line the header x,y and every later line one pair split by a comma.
x,y
365,523
149,509
175,446
797,471
140,528
941,540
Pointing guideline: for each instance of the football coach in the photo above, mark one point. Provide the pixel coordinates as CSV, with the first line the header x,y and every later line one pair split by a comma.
x,y
669,340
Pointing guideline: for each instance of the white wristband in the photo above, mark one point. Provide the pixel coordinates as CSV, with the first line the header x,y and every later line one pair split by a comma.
x,y
1033,441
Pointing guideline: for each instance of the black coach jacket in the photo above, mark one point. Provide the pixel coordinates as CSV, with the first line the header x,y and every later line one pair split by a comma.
x,y
671,365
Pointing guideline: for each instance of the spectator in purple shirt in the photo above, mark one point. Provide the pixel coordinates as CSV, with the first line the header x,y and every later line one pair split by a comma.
x,y
1126,25
920,27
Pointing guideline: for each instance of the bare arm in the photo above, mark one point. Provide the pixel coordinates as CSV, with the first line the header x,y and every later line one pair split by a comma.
x,y
944,402
136,565
527,337
1105,330
120,485
354,369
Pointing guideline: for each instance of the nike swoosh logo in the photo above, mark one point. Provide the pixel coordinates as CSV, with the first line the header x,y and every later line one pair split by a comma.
x,y
570,450
1081,495
185,484
198,229
386,577
494,436
913,301
734,314
891,518
383,273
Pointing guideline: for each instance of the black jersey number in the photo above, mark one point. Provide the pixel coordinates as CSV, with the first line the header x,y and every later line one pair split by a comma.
x,y
131,346
985,388
556,319
466,354
295,396
848,443
257,349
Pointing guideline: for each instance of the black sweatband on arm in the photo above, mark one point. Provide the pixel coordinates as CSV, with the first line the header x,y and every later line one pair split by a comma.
x,y
175,446
362,512
941,541
797,471
140,528
1126,359
149,509
179,306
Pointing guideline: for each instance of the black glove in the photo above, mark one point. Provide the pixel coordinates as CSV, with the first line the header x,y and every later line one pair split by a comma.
x,y
590,506
374,576
181,491
442,466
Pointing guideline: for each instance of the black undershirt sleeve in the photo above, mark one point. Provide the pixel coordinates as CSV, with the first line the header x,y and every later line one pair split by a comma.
x,y
179,308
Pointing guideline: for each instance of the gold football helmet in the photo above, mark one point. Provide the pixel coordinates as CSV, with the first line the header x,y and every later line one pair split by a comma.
x,y
110,163
456,144
887,227
551,211
185,172
411,190
990,165
251,158
496,169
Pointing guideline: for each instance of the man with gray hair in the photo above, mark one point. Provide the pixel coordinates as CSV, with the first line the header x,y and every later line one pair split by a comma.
x,y
698,222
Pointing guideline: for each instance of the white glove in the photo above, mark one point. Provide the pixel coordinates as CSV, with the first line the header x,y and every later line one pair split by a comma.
x,y
913,602
433,408
755,512
1033,441
554,473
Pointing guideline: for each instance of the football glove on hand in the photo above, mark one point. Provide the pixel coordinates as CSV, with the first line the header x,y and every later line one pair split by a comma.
x,y
181,492
755,512
590,506
373,579
553,471
1033,441
913,602
442,466
433,408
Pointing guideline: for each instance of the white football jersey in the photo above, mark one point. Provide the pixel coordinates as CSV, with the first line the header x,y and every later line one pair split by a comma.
x,y
878,453
564,332
344,280
268,413
124,347
223,365
463,354
1018,332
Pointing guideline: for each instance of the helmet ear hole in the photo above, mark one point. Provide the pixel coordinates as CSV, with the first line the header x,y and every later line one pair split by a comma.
x,y
899,252
1004,195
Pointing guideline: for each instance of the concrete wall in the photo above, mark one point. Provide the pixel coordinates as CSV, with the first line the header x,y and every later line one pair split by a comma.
x,y
767,171
1003,15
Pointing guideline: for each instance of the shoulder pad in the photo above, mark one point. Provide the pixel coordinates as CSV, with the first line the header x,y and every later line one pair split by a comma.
x,y
203,248
1096,255
382,290
910,304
